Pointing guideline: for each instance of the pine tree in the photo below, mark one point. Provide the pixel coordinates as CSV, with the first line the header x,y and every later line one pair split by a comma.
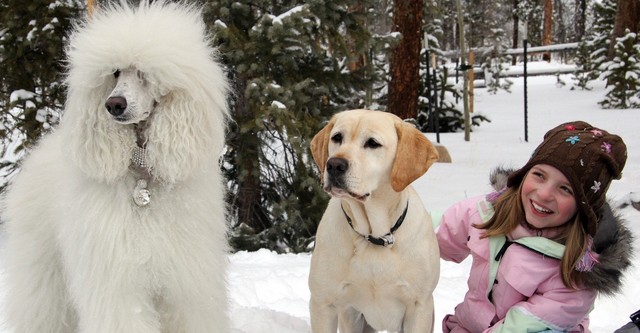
x,y
450,115
584,67
434,89
531,12
438,94
623,74
293,65
32,37
496,63
429,79
487,32
604,14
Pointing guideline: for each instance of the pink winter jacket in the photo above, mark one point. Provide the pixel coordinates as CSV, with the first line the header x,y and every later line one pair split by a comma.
x,y
513,286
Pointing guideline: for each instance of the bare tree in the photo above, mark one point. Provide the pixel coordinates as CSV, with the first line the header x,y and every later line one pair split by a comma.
x,y
547,27
405,59
627,16
516,22
580,18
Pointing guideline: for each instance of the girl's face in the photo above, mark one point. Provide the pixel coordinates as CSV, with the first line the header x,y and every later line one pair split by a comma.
x,y
547,197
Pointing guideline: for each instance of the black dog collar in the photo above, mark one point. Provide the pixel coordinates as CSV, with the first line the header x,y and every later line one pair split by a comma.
x,y
386,240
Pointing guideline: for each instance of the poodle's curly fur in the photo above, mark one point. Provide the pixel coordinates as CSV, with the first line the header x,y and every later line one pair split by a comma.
x,y
81,256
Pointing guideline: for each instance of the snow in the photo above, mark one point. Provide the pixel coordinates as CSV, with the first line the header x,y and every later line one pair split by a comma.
x,y
555,47
287,14
51,25
269,292
278,105
220,24
20,94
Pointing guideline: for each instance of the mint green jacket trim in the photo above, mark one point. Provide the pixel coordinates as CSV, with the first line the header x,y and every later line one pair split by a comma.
x,y
542,245
518,318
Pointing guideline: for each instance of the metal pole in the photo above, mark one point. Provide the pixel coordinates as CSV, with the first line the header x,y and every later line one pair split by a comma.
x,y
526,125
427,83
457,71
435,100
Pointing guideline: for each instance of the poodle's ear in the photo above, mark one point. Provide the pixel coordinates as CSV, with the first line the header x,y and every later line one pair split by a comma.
x,y
414,155
320,146
186,133
100,147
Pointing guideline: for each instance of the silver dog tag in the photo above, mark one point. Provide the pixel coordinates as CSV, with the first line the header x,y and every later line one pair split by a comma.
x,y
141,195
388,240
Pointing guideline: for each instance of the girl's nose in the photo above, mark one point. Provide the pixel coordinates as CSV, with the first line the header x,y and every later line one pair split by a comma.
x,y
545,192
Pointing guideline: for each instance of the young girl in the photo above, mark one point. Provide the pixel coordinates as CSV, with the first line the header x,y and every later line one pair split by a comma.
x,y
545,245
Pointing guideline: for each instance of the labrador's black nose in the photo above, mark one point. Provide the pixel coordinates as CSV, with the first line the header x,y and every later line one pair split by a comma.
x,y
116,105
337,166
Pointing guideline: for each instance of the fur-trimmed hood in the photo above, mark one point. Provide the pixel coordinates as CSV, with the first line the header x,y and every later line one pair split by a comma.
x,y
613,242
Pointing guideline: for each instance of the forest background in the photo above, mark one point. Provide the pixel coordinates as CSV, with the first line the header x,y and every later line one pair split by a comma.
x,y
293,64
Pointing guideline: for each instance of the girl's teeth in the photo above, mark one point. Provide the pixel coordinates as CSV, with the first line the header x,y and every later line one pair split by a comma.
x,y
540,209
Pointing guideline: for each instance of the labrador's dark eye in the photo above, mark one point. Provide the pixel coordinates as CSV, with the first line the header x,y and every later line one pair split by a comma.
x,y
337,138
372,143
116,73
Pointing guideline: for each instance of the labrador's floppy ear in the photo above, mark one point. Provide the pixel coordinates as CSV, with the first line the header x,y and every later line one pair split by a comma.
x,y
320,146
414,155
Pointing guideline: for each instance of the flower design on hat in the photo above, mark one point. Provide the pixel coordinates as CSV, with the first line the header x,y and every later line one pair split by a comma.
x,y
573,139
570,127
606,147
596,132
596,186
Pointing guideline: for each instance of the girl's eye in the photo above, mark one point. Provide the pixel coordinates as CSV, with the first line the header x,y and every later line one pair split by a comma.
x,y
567,189
538,174
116,73
372,143
337,138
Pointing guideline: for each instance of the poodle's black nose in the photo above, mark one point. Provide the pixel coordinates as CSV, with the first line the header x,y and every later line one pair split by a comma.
x,y
116,105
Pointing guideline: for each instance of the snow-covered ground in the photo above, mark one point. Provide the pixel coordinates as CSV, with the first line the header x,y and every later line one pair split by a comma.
x,y
269,292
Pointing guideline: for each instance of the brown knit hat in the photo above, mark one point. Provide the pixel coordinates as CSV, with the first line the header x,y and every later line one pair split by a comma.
x,y
589,157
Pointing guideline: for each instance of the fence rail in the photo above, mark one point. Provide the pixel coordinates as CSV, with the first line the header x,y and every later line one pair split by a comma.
x,y
482,51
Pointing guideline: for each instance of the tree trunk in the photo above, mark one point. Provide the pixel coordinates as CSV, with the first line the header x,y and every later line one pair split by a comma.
x,y
247,148
560,34
516,31
580,18
249,186
627,15
547,27
405,59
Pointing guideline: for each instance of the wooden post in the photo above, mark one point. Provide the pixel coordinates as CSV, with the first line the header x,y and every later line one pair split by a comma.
x,y
471,79
443,153
465,83
90,7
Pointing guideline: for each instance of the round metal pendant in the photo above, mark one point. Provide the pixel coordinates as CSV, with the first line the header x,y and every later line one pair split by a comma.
x,y
141,196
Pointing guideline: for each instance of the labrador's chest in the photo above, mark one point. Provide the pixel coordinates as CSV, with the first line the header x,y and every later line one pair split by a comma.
x,y
380,286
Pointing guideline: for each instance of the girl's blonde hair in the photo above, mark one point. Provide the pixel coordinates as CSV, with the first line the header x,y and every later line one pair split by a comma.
x,y
509,213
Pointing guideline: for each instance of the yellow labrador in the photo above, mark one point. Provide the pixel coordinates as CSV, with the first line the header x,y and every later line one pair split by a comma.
x,y
376,260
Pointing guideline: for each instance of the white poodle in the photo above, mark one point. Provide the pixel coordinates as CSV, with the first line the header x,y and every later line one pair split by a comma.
x,y
116,223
